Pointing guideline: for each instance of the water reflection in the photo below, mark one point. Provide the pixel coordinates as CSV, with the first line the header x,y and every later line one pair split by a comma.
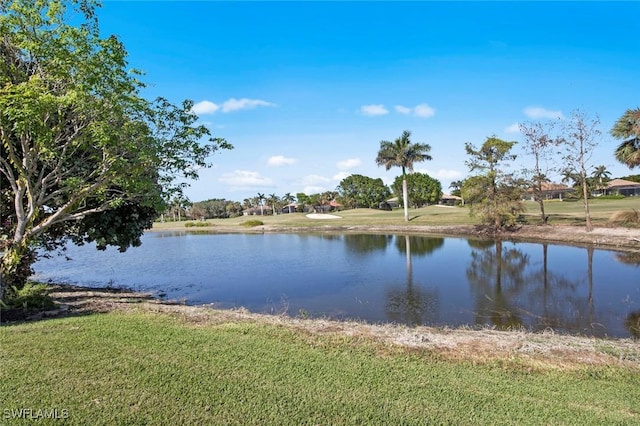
x,y
405,279
496,278
411,304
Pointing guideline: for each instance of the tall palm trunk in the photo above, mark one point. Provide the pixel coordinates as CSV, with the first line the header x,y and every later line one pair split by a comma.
x,y
405,195
405,199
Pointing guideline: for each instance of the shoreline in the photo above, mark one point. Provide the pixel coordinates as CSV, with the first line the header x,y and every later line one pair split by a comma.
x,y
541,350
616,238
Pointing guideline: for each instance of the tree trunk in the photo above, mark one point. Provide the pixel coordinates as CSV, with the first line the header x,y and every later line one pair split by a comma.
x,y
585,195
405,199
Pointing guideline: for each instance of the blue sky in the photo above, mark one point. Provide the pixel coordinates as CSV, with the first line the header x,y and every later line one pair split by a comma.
x,y
305,91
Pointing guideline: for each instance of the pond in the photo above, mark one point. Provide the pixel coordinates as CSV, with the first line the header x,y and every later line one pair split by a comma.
x,y
413,280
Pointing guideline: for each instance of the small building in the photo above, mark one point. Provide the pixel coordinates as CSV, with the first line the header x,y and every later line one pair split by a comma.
x,y
450,200
290,208
552,191
393,202
622,187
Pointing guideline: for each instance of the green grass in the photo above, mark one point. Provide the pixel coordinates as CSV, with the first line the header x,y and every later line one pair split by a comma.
x,y
560,213
142,368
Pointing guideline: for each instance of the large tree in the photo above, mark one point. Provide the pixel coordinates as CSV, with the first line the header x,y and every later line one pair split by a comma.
x,y
362,191
538,144
495,196
403,153
580,134
628,128
83,155
422,189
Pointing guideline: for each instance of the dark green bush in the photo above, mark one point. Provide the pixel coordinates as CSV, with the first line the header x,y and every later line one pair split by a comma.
x,y
196,224
32,296
252,223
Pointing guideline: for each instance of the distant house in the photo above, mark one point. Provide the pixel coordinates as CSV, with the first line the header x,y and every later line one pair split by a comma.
x,y
256,211
551,191
328,207
290,208
393,202
622,187
450,200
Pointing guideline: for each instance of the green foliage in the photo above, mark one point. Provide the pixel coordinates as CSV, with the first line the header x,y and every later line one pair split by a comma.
x,y
422,189
252,223
31,296
83,156
361,191
628,128
612,197
494,196
215,209
196,224
402,153
632,178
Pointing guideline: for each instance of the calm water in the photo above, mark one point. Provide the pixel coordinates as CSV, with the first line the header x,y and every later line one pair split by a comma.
x,y
376,278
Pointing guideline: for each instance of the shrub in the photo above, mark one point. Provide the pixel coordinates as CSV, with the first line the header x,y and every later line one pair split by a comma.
x,y
626,217
252,223
612,197
196,224
30,297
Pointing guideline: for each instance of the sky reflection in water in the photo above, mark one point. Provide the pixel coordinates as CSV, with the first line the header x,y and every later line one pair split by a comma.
x,y
376,278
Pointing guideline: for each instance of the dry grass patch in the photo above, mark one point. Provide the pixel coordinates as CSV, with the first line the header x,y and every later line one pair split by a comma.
x,y
546,350
626,217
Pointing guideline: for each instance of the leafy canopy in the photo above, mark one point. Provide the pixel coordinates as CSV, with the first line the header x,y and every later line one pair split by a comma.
x,y
422,189
628,127
83,155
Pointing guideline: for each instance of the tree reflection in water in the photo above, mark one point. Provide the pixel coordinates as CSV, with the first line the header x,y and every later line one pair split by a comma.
x,y
412,304
496,277
510,293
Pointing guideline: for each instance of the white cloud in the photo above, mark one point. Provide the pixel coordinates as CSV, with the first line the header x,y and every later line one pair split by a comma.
x,y
280,160
374,109
230,105
205,107
447,174
311,189
514,128
234,104
442,174
341,175
403,109
424,110
314,180
539,112
349,164
245,178
421,110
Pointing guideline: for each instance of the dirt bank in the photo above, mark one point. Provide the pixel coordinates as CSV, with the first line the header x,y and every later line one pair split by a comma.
x,y
546,350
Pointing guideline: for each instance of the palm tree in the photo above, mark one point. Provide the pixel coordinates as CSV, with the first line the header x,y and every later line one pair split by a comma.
x,y
402,153
274,200
601,174
288,198
260,198
628,127
568,175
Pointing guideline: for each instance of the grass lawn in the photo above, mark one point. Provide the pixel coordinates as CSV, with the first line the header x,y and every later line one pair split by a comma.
x,y
148,368
560,213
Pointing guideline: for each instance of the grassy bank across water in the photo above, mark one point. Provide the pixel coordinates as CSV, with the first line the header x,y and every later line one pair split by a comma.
x,y
559,213
141,367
